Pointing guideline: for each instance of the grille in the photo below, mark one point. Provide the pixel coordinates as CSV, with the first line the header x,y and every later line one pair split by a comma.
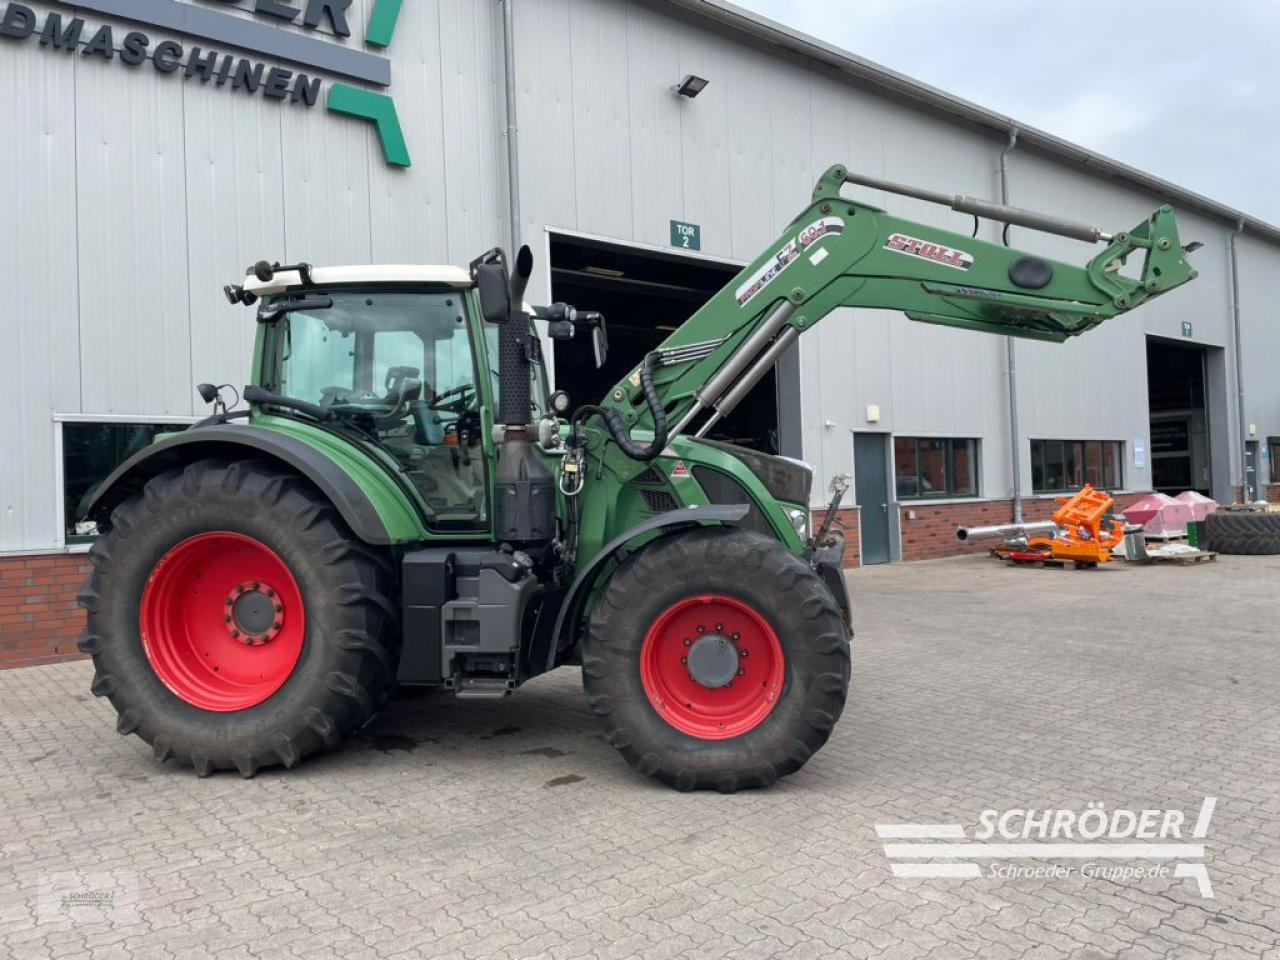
x,y
658,501
650,477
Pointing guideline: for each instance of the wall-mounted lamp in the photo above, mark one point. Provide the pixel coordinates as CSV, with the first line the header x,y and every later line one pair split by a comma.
x,y
690,86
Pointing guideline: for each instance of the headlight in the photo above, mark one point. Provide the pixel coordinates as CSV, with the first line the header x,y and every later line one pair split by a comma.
x,y
799,520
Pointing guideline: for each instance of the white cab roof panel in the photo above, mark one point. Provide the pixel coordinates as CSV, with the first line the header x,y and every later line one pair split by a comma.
x,y
362,273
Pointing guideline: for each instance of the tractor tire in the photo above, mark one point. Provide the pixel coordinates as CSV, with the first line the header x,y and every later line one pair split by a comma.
x,y
1241,532
234,620
716,659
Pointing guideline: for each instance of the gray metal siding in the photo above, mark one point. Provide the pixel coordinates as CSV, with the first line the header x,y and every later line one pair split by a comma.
x,y
140,195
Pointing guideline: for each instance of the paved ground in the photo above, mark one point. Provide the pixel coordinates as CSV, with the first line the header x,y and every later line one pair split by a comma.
x,y
511,830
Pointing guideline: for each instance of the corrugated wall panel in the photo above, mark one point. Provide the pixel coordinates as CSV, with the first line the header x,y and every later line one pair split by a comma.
x,y
235,184
602,116
1260,319
470,71
39,363
135,342
656,188
544,109
410,207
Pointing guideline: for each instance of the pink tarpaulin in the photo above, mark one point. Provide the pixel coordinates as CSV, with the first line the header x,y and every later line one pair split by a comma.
x,y
1160,515
1201,506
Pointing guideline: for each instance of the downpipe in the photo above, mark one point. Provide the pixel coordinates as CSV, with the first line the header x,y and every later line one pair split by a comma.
x,y
513,152
1235,333
1011,353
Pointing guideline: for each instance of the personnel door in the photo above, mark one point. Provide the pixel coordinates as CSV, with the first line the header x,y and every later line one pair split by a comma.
x,y
871,490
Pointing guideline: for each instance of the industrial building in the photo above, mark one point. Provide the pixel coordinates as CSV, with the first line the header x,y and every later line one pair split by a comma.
x,y
646,150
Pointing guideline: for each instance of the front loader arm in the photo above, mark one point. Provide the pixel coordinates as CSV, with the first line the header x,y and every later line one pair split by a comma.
x,y
842,253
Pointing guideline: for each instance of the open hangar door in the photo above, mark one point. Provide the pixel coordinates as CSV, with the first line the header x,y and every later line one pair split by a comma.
x,y
1180,436
644,295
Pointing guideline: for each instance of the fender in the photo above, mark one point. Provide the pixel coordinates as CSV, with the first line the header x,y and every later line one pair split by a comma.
x,y
571,609
198,442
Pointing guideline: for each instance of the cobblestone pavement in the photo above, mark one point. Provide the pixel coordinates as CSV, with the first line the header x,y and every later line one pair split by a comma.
x,y
468,830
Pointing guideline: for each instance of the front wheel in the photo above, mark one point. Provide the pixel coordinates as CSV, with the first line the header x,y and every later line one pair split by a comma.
x,y
716,659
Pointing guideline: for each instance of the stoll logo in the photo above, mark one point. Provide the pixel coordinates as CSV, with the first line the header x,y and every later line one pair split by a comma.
x,y
192,61
1119,845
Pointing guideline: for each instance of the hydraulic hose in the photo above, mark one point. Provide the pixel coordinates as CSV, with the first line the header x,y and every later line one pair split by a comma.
x,y
618,430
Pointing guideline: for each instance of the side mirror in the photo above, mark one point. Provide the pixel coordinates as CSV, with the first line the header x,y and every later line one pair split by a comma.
x,y
599,343
493,290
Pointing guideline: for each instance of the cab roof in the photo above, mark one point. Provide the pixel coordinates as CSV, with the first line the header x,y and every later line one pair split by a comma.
x,y
362,273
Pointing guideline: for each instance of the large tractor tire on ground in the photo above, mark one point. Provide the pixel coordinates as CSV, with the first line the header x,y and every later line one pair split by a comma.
x,y
234,620
1232,531
716,659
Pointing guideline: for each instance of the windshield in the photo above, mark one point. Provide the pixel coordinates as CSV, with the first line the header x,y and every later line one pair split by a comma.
x,y
400,368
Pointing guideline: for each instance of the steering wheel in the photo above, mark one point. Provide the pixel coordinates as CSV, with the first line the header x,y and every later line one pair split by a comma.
x,y
463,396
333,395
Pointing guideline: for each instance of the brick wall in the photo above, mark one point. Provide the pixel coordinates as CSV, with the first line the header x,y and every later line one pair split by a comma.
x,y
932,534
39,619
846,520
1270,492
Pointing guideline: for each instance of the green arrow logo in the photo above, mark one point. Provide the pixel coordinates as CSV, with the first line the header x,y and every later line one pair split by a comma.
x,y
378,108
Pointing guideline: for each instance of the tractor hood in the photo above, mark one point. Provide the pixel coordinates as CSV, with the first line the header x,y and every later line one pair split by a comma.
x,y
785,479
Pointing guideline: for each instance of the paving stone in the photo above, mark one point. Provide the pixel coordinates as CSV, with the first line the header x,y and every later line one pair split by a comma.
x,y
975,687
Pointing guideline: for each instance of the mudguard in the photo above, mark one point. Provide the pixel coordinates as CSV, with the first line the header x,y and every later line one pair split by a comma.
x,y
572,607
214,440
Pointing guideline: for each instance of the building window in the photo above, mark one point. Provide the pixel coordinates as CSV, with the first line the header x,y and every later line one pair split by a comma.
x,y
935,467
1061,465
90,451
1273,458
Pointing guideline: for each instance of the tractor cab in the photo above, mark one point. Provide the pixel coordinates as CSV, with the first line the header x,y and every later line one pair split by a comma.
x,y
397,356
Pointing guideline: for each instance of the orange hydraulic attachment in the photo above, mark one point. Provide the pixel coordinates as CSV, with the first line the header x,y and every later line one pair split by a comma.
x,y
1083,535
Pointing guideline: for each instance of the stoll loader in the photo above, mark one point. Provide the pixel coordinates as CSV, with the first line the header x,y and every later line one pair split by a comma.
x,y
403,502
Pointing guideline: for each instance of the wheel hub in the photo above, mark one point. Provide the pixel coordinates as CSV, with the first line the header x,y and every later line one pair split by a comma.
x,y
222,621
712,666
255,614
713,661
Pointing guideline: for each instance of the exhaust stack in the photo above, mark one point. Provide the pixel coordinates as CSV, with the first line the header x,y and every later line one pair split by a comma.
x,y
524,489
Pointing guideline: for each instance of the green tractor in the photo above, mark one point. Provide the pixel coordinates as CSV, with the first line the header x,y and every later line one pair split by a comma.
x,y
405,503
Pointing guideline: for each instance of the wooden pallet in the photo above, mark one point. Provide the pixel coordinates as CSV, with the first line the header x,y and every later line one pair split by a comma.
x,y
1200,556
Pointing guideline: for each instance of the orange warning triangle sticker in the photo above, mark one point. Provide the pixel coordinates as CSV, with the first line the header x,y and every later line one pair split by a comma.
x,y
680,470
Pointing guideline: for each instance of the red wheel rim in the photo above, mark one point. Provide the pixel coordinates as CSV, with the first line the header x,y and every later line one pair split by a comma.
x,y
724,638
222,621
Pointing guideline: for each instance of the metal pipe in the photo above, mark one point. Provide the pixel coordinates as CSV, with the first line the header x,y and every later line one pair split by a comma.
x,y
1044,222
1235,323
513,153
711,391
965,534
730,400
1010,352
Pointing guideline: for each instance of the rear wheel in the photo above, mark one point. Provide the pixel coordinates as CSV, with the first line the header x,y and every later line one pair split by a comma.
x,y
716,659
234,620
